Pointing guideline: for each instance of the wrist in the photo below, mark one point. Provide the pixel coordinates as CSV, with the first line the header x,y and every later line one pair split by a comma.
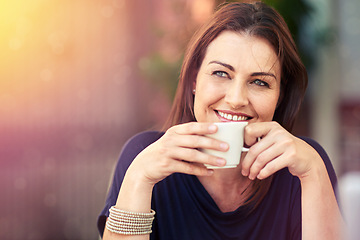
x,y
315,167
314,174
135,193
139,178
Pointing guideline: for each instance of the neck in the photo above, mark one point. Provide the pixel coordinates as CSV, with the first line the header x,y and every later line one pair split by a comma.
x,y
228,188
228,178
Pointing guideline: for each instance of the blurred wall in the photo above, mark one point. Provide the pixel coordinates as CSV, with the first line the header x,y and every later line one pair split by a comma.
x,y
349,84
335,81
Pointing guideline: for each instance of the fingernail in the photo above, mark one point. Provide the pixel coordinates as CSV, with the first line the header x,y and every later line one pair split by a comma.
x,y
244,173
220,162
212,128
224,146
210,171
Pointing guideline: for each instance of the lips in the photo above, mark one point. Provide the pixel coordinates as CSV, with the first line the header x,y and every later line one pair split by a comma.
x,y
232,116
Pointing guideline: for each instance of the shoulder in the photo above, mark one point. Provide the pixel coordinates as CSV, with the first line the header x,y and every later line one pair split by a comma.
x,y
129,151
139,142
144,139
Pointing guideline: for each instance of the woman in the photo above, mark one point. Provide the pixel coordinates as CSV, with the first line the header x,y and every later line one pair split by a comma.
x,y
241,66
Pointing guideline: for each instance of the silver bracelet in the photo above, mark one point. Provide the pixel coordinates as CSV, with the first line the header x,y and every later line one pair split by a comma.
x,y
129,223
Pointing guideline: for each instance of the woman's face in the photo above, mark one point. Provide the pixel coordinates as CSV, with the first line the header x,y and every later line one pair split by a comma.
x,y
238,80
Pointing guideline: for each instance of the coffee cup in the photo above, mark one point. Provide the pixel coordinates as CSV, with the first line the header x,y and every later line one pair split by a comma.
x,y
233,134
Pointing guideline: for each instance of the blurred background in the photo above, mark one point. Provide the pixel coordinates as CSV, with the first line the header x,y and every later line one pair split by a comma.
x,y
78,78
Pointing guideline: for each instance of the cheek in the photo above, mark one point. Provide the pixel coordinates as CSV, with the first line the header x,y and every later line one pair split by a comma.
x,y
265,107
206,91
202,98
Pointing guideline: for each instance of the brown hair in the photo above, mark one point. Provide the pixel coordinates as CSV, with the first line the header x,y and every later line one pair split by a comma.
x,y
258,20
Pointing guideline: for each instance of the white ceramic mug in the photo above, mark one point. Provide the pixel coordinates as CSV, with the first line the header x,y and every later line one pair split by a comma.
x,y
233,134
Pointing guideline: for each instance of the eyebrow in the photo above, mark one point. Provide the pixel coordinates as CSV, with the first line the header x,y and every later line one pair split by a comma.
x,y
255,74
223,64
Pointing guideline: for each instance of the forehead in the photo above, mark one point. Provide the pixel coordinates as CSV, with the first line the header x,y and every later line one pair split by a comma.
x,y
243,51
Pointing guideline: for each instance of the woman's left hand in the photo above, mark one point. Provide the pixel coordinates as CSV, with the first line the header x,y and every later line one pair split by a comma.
x,y
276,149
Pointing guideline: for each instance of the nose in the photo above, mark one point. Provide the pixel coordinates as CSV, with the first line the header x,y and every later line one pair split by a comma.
x,y
237,94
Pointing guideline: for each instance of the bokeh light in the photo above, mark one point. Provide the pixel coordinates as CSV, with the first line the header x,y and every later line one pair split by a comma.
x,y
78,78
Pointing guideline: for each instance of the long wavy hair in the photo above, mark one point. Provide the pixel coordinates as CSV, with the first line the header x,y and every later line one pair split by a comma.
x,y
258,20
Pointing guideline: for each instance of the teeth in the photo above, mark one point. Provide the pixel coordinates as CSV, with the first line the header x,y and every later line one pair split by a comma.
x,y
232,117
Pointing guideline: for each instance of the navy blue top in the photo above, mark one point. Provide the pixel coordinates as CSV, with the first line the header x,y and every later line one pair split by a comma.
x,y
185,210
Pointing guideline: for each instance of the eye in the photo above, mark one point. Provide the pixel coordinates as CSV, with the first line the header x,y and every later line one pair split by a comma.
x,y
260,83
221,74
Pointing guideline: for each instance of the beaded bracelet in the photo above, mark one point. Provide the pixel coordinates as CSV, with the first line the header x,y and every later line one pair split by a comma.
x,y
129,223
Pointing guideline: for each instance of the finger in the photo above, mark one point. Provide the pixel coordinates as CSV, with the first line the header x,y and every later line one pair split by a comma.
x,y
197,141
263,159
254,131
190,168
272,167
253,153
196,156
195,128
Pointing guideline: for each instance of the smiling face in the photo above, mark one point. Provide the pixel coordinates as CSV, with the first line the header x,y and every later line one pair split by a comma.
x,y
238,80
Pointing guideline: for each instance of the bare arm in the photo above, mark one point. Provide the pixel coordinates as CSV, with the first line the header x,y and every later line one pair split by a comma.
x,y
133,196
277,149
321,218
176,151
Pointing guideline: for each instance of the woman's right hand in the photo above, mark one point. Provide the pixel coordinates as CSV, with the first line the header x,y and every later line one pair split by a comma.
x,y
178,151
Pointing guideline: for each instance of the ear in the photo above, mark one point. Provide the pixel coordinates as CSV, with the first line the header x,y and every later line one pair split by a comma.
x,y
193,77
193,87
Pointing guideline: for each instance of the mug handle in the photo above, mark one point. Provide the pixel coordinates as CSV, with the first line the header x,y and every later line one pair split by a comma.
x,y
244,149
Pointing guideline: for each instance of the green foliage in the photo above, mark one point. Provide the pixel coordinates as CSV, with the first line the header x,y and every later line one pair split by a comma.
x,y
161,72
294,12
